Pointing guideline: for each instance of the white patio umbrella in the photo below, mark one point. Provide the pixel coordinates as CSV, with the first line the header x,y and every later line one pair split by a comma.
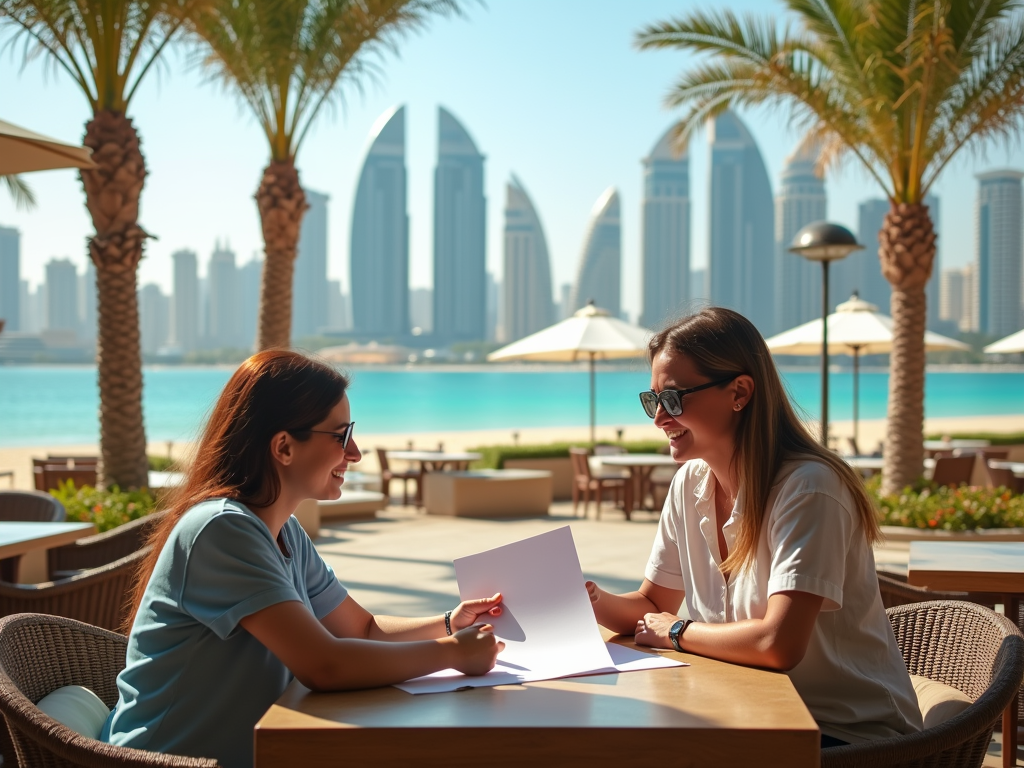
x,y
855,328
591,333
22,150
1012,343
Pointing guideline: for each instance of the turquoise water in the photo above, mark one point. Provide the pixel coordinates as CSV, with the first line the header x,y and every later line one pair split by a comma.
x,y
52,405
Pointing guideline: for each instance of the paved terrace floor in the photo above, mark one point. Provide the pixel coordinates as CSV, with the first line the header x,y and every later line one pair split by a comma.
x,y
401,563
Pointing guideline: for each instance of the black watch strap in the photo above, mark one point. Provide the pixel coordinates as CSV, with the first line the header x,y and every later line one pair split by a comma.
x,y
676,632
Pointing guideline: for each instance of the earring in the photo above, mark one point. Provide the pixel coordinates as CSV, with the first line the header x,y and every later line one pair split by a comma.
x,y
737,407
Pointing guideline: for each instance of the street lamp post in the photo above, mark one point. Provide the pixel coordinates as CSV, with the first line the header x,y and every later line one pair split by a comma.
x,y
824,242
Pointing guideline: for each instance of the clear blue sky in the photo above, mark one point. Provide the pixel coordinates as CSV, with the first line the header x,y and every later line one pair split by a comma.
x,y
552,91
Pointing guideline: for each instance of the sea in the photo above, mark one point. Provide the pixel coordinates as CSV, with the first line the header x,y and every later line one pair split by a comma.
x,y
55,405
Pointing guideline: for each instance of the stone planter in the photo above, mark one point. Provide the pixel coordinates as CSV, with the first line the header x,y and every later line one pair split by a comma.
x,y
902,533
560,469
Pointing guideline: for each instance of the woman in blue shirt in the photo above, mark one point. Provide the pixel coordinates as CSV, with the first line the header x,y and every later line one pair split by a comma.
x,y
234,600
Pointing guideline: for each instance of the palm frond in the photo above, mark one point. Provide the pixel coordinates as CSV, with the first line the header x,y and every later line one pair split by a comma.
x,y
20,192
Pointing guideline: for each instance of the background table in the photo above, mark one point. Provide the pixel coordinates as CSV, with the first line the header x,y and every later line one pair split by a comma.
x,y
640,466
31,540
972,566
433,461
710,713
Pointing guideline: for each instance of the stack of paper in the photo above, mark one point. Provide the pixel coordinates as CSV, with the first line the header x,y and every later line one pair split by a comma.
x,y
547,622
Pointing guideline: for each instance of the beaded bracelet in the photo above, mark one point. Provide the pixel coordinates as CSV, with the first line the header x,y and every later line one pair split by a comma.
x,y
448,622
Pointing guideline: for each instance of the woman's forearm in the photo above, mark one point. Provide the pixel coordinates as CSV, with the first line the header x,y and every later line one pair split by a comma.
x,y
368,664
753,642
620,613
401,629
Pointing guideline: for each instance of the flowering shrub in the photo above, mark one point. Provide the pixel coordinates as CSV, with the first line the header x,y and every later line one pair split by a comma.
x,y
926,505
105,509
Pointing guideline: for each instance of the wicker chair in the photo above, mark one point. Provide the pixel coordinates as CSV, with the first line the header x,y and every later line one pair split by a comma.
x,y
101,549
39,654
26,507
97,596
962,645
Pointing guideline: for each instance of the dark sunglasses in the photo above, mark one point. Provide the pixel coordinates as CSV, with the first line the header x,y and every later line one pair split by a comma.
x,y
341,438
672,399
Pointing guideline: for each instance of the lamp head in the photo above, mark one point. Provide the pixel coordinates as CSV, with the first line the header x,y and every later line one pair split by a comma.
x,y
824,241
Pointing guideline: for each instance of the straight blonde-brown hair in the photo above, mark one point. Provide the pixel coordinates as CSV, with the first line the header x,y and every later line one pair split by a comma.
x,y
722,343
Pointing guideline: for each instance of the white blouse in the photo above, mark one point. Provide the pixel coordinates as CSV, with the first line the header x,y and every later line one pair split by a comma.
x,y
852,678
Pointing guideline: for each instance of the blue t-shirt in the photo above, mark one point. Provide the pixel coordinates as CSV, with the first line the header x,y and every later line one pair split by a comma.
x,y
196,682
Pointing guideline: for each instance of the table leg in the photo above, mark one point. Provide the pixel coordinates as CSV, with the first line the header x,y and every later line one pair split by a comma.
x,y
1011,609
645,486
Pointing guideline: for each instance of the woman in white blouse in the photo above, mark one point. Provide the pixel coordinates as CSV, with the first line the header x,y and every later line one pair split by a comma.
x,y
765,537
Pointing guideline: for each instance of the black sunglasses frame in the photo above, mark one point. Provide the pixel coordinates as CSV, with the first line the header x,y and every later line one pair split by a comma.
x,y
342,437
666,396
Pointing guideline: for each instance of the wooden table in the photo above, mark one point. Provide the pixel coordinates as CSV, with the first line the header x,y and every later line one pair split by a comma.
x,y
31,540
640,466
433,461
970,566
710,713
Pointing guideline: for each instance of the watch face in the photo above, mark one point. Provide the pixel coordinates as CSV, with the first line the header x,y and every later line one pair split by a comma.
x,y
676,628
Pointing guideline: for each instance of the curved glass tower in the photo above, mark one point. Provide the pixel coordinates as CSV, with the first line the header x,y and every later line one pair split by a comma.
x,y
666,233
527,290
460,254
741,236
600,271
379,256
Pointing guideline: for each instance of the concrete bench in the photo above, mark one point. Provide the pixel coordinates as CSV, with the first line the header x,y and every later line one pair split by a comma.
x,y
353,505
488,493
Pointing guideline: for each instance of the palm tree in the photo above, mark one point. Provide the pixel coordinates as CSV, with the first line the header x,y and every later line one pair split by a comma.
x,y
902,86
20,192
107,48
285,59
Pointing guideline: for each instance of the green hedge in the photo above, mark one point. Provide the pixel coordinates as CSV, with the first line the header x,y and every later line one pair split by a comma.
x,y
929,506
162,464
994,438
495,456
104,509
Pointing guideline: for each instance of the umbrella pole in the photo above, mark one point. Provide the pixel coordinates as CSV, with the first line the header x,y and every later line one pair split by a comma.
x,y
856,396
593,407
824,353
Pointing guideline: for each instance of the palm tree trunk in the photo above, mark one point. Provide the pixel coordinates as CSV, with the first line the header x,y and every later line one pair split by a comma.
x,y
907,253
112,193
282,204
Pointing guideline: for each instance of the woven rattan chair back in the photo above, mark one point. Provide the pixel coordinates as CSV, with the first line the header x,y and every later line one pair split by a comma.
x,y
966,646
30,507
39,654
102,548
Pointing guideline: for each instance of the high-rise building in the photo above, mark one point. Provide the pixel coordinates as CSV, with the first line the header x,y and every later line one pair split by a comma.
x,y
224,304
62,311
421,310
250,276
564,301
338,315
493,306
861,271
154,318
800,201
956,297
309,292
88,293
379,256
699,285
600,272
741,235
666,233
10,278
1000,251
185,302
460,250
527,303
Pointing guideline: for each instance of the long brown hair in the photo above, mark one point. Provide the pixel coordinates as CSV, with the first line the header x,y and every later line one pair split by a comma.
x,y
273,391
723,343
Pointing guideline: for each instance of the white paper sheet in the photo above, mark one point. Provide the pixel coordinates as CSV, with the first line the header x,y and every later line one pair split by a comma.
x,y
547,624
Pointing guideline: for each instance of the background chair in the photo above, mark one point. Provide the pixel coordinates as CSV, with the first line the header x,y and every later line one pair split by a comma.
x,y
38,655
97,596
963,645
953,470
102,548
26,507
387,475
588,482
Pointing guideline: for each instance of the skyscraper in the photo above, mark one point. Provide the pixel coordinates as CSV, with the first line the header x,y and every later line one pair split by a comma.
x,y
62,296
250,275
379,256
600,271
185,301
154,318
666,233
224,305
527,305
88,298
309,294
800,201
741,234
861,271
460,250
1000,250
10,278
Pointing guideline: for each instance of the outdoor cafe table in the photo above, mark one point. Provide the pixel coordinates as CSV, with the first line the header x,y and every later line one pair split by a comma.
x,y
640,466
710,713
432,461
31,540
975,566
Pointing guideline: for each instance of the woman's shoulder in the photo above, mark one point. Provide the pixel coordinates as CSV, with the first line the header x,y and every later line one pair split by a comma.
x,y
213,515
810,475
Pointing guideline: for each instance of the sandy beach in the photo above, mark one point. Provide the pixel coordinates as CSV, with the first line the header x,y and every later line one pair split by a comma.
x,y
871,432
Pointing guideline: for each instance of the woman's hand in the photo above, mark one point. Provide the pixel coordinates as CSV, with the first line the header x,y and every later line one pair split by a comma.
x,y
471,612
476,649
652,630
594,591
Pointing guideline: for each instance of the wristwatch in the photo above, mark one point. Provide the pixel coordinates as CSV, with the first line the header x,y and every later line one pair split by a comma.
x,y
676,631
